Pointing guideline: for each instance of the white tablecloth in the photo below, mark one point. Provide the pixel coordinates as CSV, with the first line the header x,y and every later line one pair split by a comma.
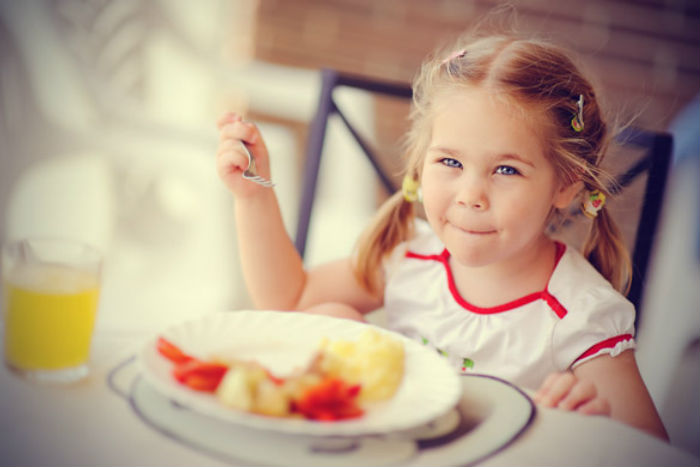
x,y
87,423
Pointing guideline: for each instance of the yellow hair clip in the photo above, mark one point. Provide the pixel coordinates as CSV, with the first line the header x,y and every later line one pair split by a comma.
x,y
577,121
592,203
410,187
454,55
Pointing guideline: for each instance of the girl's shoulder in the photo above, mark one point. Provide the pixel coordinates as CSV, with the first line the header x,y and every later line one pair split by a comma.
x,y
576,282
572,266
423,242
594,318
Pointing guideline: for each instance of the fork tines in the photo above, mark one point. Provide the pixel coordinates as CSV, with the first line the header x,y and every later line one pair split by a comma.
x,y
259,180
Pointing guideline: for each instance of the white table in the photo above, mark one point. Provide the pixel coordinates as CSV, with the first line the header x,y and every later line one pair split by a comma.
x,y
89,424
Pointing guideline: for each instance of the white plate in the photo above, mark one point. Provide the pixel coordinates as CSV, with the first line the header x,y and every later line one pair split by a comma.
x,y
490,415
493,413
283,341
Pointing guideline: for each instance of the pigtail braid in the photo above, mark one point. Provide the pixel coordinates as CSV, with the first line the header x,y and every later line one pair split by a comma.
x,y
605,249
392,225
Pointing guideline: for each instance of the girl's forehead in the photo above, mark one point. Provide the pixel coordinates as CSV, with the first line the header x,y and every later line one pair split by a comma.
x,y
487,105
488,97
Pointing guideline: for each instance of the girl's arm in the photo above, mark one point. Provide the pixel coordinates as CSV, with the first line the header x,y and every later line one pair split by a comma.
x,y
272,268
618,380
605,385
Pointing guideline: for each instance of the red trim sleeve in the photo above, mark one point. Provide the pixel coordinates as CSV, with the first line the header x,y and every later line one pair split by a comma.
x,y
606,344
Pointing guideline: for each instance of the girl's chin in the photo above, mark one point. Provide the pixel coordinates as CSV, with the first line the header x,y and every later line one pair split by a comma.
x,y
472,257
475,254
472,262
469,248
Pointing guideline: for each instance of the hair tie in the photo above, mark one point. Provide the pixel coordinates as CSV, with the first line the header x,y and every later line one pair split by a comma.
x,y
453,55
577,121
410,187
592,203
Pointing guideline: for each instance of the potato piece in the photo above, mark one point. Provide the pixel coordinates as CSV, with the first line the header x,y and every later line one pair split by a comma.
x,y
271,399
239,386
235,390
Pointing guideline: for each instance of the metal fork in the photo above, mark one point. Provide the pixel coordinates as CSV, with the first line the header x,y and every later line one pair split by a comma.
x,y
250,173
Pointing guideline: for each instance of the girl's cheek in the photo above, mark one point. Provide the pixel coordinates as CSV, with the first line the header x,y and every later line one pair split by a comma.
x,y
430,211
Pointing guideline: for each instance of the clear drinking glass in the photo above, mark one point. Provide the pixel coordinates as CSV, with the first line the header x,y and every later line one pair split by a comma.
x,y
50,297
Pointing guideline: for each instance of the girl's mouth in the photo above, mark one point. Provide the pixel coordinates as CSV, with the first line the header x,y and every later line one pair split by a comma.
x,y
478,231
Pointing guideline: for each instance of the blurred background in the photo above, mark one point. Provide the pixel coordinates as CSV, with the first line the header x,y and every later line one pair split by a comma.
x,y
107,134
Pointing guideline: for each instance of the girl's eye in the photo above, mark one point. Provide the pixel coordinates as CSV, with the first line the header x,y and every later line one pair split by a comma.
x,y
507,170
450,162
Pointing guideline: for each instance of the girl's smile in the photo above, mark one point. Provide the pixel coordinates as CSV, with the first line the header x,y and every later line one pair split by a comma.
x,y
473,230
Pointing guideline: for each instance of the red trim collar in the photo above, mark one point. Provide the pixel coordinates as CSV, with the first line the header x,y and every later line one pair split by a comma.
x,y
553,303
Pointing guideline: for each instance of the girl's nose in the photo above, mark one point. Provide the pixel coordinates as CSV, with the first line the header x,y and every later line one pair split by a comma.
x,y
472,194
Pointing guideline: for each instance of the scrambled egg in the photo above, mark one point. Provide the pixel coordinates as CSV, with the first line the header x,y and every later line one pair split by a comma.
x,y
375,360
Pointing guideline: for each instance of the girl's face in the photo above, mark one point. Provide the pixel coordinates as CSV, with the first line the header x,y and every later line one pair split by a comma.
x,y
487,186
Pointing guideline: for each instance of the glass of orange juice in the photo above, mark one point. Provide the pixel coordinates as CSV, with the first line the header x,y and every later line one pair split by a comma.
x,y
50,298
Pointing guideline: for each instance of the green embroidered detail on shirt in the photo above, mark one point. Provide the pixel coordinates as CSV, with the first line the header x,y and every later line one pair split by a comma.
x,y
467,363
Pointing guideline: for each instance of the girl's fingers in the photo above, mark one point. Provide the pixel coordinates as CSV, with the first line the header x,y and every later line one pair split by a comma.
x,y
226,145
228,162
566,392
581,393
231,153
232,158
597,406
239,130
554,390
545,387
228,117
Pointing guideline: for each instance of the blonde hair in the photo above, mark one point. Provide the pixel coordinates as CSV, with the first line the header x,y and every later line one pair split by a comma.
x,y
532,73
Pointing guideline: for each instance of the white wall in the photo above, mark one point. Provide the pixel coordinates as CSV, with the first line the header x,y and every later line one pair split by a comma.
x,y
133,173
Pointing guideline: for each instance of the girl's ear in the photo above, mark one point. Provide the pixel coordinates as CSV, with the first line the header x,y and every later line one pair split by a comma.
x,y
566,194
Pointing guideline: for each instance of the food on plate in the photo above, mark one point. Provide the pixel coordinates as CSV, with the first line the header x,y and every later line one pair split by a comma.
x,y
171,351
343,375
375,361
248,386
328,400
192,372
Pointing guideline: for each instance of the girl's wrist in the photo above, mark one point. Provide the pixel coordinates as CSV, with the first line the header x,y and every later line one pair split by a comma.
x,y
256,199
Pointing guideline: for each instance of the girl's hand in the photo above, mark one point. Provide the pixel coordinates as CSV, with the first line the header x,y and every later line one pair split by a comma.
x,y
565,391
231,159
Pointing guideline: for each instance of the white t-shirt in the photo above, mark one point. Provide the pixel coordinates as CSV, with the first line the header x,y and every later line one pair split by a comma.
x,y
577,317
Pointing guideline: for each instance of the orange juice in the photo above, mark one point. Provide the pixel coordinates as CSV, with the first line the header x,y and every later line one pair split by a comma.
x,y
49,316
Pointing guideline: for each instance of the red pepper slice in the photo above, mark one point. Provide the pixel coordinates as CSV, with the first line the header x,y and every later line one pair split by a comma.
x,y
331,399
202,383
188,370
200,376
275,379
170,351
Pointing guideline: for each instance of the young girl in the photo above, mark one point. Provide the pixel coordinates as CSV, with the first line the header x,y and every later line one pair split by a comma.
x,y
505,133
